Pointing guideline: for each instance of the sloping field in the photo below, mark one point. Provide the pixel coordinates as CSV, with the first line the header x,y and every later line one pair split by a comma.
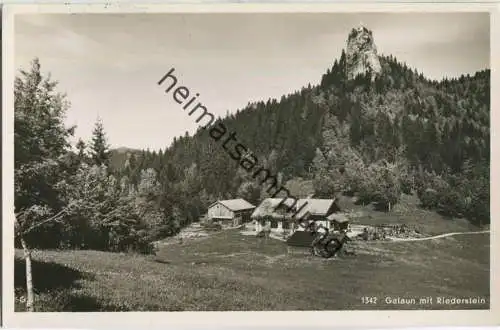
x,y
228,271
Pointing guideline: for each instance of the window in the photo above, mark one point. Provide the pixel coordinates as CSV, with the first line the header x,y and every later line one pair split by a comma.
x,y
286,225
274,224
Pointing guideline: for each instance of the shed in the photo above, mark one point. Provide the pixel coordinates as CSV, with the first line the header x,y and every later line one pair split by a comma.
x,y
231,212
339,221
301,239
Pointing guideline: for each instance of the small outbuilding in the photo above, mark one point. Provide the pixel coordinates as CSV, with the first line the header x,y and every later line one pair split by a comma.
x,y
230,213
300,239
338,221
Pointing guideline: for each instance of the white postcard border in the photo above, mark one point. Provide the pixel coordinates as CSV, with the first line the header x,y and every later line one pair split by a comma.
x,y
206,319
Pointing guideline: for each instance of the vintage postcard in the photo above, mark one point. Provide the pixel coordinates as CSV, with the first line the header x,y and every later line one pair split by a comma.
x,y
286,164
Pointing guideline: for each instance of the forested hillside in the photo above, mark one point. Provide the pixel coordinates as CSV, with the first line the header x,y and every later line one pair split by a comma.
x,y
376,139
373,137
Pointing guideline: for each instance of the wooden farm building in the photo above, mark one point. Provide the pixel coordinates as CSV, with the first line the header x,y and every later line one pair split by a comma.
x,y
338,221
317,210
280,219
232,212
273,212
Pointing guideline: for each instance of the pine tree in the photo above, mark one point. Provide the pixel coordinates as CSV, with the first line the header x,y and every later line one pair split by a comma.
x,y
81,147
99,148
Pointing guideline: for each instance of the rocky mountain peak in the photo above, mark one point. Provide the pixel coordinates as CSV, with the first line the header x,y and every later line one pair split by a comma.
x,y
361,54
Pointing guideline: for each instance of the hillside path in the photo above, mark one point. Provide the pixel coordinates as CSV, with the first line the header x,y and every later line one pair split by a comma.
x,y
438,236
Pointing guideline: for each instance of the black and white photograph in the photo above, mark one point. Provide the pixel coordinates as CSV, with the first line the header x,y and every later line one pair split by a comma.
x,y
249,162
1,122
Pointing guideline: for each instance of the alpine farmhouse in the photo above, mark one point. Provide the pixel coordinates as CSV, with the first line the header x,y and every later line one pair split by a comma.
x,y
230,213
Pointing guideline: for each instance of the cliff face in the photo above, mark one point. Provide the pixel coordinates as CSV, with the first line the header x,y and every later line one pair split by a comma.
x,y
361,54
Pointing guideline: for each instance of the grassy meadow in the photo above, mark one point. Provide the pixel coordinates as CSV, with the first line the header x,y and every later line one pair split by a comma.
x,y
228,271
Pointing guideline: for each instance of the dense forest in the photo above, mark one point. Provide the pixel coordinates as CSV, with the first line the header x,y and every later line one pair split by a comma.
x,y
370,137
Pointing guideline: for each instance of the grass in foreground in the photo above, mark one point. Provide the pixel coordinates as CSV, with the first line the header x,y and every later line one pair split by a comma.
x,y
232,272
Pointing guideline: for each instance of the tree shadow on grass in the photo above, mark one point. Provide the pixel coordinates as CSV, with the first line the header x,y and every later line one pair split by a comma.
x,y
53,285
48,276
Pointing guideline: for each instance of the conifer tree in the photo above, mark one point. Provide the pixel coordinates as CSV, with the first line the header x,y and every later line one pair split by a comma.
x,y
81,146
99,148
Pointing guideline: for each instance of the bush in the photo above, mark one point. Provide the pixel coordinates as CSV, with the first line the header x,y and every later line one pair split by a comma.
x,y
160,232
452,203
460,194
429,198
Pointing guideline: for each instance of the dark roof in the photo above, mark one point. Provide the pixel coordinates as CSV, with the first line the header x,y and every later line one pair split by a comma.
x,y
301,239
235,204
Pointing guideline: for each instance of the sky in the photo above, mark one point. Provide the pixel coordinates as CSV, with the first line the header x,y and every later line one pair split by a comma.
x,y
109,64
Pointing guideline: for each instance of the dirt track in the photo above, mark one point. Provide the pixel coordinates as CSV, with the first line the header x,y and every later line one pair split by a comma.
x,y
438,236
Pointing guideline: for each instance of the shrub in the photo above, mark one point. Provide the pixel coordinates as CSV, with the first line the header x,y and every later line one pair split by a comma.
x,y
429,198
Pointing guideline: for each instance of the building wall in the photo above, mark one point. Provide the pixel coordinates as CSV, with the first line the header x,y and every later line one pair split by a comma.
x,y
219,211
280,225
325,223
244,215
340,226
276,226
